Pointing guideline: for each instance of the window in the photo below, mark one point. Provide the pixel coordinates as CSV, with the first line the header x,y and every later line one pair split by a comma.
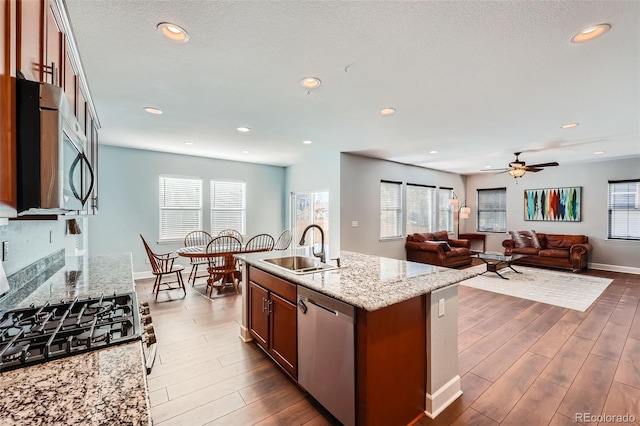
x,y
180,206
228,207
445,218
421,212
390,209
624,210
307,208
492,210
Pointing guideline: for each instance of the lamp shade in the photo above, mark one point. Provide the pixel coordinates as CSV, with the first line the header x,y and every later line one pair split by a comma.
x,y
464,216
465,211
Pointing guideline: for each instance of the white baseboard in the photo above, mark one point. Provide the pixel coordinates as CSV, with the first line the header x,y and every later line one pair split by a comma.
x,y
142,275
615,268
443,397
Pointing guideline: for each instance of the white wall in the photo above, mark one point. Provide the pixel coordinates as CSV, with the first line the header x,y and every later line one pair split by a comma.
x,y
128,198
360,200
31,240
592,177
321,174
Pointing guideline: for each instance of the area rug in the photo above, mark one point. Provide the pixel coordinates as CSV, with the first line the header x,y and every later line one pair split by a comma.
x,y
568,290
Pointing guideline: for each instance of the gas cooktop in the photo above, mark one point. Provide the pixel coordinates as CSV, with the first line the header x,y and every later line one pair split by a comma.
x,y
41,333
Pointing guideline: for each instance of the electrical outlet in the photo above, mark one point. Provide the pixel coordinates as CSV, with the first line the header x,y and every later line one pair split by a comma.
x,y
354,223
5,250
440,308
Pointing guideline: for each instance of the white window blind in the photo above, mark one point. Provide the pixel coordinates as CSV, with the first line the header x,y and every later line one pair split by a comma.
x,y
180,206
421,212
624,210
492,210
390,209
445,218
228,206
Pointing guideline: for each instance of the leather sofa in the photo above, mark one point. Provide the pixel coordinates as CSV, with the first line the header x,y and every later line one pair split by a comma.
x,y
437,249
556,251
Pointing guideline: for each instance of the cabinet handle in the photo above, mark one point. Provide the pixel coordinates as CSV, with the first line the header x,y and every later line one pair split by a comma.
x,y
270,306
264,307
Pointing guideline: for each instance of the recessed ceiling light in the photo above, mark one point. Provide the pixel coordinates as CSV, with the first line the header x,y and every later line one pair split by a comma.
x,y
152,110
433,152
387,111
307,142
569,125
173,32
244,151
243,129
310,82
598,152
188,143
590,33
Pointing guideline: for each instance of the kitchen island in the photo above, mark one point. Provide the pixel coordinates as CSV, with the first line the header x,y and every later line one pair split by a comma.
x,y
405,328
100,387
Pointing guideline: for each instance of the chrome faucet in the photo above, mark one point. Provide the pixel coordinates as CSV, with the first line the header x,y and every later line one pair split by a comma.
x,y
320,254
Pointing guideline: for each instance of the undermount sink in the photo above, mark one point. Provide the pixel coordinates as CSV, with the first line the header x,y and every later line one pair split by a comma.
x,y
300,264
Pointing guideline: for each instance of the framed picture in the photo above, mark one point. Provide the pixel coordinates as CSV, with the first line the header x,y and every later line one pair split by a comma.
x,y
553,204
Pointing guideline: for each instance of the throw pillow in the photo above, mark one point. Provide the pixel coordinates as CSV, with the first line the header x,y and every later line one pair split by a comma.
x,y
533,239
421,238
520,240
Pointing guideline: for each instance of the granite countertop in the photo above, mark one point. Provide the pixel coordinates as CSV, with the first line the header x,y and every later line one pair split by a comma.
x,y
366,281
101,387
85,276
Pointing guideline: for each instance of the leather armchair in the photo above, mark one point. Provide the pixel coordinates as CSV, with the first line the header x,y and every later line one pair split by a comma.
x,y
437,249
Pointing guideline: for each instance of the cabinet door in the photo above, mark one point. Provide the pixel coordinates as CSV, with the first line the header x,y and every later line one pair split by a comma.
x,y
53,47
7,145
29,39
283,344
258,314
69,83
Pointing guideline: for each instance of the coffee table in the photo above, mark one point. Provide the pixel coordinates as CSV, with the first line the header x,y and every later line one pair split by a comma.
x,y
494,260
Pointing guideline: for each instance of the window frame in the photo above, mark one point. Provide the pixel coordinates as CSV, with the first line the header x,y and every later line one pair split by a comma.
x,y
162,208
481,210
430,196
628,209
398,209
213,209
445,207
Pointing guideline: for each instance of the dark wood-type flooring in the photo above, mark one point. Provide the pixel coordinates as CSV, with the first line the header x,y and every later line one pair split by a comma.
x,y
521,362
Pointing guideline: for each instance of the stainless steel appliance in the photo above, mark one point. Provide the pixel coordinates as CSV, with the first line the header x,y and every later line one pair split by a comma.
x,y
41,333
54,173
326,352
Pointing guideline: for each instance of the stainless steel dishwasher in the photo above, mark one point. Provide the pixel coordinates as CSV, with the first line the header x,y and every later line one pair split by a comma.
x,y
326,352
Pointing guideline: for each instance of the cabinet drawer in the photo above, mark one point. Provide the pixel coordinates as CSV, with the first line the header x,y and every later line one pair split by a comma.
x,y
272,283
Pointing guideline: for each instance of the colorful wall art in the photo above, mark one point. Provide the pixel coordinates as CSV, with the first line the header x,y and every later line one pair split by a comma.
x,y
553,204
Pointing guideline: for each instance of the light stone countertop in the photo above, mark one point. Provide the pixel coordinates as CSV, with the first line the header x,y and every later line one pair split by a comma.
x,y
366,281
101,387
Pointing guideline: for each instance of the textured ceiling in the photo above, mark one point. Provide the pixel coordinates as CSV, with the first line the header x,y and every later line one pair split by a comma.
x,y
473,80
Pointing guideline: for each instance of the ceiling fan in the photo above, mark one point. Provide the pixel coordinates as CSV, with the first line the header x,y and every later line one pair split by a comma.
x,y
518,168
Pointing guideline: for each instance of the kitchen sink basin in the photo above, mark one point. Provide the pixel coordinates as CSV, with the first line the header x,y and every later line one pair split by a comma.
x,y
300,264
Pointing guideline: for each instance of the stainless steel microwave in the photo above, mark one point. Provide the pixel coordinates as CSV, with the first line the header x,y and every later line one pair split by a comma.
x,y
54,173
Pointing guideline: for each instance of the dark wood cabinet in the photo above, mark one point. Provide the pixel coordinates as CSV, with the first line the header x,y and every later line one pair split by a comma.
x,y
273,318
69,80
29,39
53,43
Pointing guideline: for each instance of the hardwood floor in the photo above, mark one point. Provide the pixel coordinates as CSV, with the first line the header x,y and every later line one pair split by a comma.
x,y
521,362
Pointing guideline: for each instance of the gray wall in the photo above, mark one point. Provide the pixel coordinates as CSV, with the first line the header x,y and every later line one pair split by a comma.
x,y
360,200
592,177
323,173
29,241
128,194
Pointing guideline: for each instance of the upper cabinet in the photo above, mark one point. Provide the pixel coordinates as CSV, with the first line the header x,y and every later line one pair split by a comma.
x,y
8,185
41,47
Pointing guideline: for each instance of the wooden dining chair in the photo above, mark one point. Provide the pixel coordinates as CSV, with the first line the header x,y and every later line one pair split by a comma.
x,y
222,264
283,241
197,239
162,265
231,233
261,242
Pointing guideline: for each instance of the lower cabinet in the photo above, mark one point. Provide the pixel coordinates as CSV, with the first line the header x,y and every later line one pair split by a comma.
x,y
273,318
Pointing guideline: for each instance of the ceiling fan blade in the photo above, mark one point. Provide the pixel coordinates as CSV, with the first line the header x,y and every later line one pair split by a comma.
x,y
544,164
495,170
532,169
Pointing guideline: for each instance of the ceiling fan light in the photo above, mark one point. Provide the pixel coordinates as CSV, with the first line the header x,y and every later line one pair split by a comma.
x,y
517,172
